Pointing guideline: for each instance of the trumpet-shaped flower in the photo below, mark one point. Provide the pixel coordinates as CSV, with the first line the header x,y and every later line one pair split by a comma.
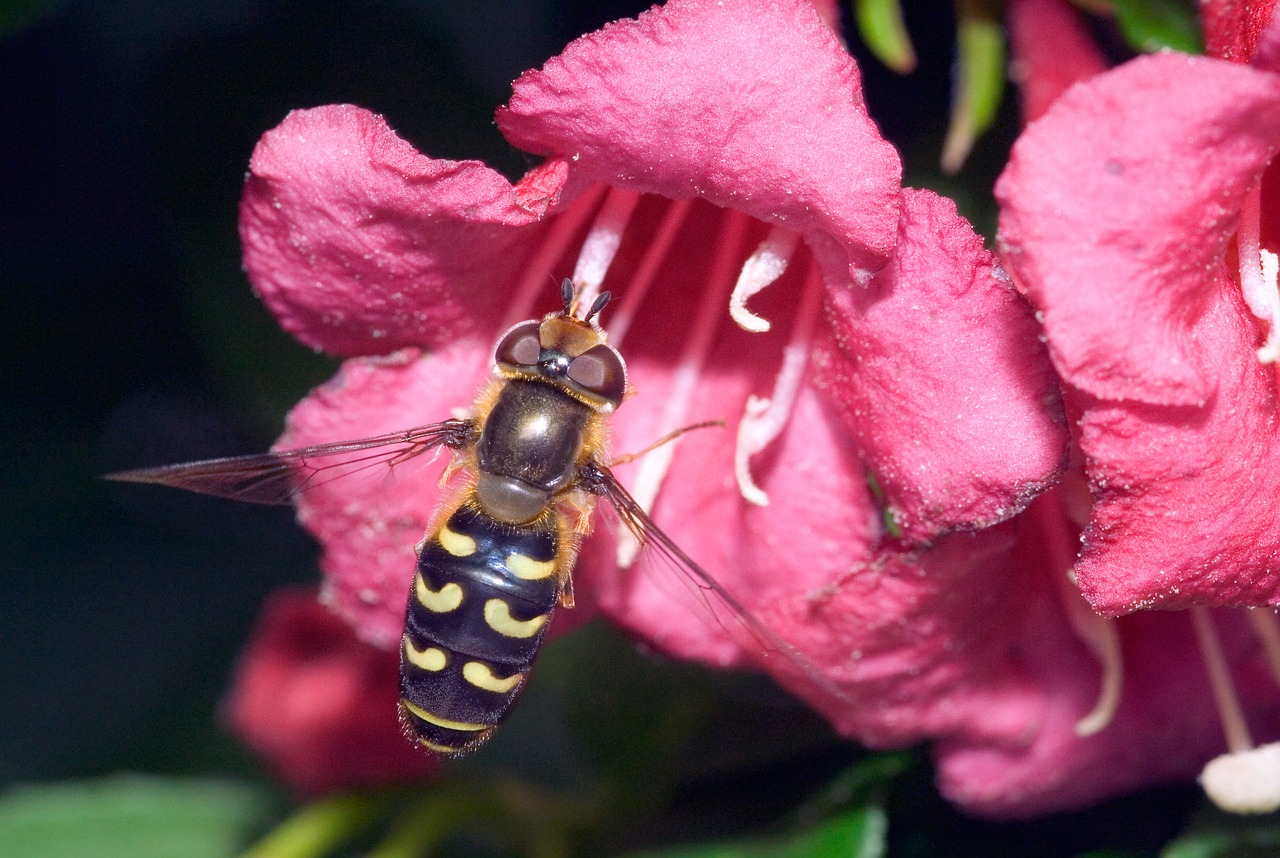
x,y
1138,217
889,408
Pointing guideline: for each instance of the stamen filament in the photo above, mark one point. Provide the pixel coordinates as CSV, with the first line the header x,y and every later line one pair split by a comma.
x,y
537,273
763,267
1258,273
1101,636
602,242
638,284
1267,627
653,469
765,418
1234,727
1097,632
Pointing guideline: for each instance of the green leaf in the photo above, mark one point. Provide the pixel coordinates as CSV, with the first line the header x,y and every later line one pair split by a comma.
x,y
1152,25
880,26
1234,837
856,834
131,816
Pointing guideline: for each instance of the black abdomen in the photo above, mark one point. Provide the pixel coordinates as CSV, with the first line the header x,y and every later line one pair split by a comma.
x,y
481,599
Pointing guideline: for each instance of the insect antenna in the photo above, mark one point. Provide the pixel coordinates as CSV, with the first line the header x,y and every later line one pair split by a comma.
x,y
597,306
566,295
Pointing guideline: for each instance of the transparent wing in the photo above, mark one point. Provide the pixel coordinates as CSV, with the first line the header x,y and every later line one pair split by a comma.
x,y
276,478
728,611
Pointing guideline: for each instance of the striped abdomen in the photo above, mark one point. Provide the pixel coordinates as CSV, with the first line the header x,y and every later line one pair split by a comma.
x,y
481,599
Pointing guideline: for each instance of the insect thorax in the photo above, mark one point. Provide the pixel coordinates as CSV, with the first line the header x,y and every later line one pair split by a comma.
x,y
530,447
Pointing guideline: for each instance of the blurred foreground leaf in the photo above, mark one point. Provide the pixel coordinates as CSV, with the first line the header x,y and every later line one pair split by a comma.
x,y
880,25
1222,836
131,816
856,834
1151,25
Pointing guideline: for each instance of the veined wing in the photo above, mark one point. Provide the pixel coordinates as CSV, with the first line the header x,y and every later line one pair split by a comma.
x,y
599,480
276,478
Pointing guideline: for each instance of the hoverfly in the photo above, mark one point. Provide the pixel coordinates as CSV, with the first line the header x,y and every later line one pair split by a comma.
x,y
499,556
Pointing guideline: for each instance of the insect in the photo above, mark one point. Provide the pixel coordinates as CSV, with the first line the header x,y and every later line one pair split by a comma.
x,y
499,558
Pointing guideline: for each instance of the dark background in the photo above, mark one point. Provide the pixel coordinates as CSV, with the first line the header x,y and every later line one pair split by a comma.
x,y
132,338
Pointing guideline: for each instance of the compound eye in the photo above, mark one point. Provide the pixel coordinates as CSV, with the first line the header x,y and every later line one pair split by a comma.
x,y
600,371
520,346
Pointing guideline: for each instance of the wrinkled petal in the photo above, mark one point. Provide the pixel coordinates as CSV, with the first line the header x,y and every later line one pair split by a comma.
x,y
937,371
1164,730
361,245
819,517
1177,420
1187,500
1051,50
752,105
317,704
1116,209
370,522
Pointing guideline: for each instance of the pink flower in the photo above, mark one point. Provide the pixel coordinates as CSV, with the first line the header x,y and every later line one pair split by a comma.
x,y
1051,50
1137,216
314,701
1233,28
691,155
1123,218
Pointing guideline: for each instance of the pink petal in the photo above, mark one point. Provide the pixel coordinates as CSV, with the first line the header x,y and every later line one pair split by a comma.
x,y
1051,51
794,546
926,644
1186,500
318,704
1117,204
361,245
1233,28
369,523
1142,313
752,105
1164,731
936,370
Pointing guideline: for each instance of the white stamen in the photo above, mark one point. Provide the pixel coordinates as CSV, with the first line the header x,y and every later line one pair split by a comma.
x,y
653,469
763,267
1234,727
1246,781
1267,628
654,255
764,419
1258,269
1097,632
537,273
1103,639
602,242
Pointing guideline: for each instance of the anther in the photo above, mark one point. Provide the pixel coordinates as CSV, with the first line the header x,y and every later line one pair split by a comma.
x,y
763,267
764,419
1247,779
1258,270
